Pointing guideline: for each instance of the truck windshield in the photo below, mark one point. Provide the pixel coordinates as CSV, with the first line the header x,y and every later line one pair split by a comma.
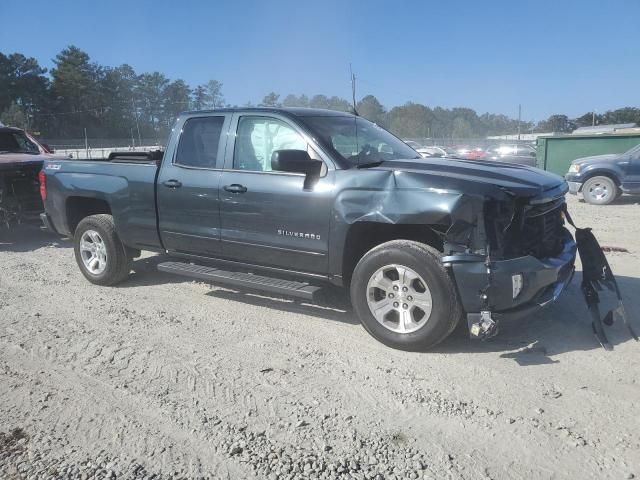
x,y
359,141
12,142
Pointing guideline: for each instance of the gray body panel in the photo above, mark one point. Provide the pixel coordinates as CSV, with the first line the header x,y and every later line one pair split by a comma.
x,y
129,189
189,216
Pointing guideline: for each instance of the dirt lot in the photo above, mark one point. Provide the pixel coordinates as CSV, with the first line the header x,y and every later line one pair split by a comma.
x,y
167,377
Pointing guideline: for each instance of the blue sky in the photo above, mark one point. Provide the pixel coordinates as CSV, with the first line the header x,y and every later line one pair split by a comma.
x,y
551,56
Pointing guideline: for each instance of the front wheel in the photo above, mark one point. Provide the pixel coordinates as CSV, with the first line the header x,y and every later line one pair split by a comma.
x,y
100,254
600,190
403,295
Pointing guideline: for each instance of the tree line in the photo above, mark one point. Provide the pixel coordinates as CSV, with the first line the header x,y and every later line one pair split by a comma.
x,y
117,102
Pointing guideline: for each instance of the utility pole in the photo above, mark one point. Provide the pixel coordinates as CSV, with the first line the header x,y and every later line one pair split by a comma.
x,y
135,112
593,118
519,119
353,89
86,143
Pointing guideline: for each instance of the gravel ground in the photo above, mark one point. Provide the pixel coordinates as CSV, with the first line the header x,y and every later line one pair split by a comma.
x,y
162,377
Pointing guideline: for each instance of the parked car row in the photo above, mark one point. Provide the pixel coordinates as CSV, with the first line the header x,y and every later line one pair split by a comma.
x,y
598,179
522,154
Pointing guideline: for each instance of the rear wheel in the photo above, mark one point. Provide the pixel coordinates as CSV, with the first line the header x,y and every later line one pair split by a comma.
x,y
100,254
404,296
600,190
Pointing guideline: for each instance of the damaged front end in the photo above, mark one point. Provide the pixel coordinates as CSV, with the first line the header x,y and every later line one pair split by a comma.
x,y
527,262
521,258
501,229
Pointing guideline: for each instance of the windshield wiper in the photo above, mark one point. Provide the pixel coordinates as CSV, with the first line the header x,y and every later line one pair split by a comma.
x,y
370,164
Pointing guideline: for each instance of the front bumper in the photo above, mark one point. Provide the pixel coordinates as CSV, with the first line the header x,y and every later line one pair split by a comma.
x,y
543,281
574,187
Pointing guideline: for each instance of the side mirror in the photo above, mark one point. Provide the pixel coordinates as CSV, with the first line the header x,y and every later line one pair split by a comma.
x,y
533,154
297,161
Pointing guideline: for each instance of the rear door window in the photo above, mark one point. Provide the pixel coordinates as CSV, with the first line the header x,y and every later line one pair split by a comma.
x,y
200,142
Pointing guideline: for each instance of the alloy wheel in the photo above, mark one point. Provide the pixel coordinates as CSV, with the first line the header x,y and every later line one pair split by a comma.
x,y
399,298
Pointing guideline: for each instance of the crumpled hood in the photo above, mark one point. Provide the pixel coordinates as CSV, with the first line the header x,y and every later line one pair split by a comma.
x,y
487,178
609,157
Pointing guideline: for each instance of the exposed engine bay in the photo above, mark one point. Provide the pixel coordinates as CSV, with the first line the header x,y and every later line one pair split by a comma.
x,y
519,229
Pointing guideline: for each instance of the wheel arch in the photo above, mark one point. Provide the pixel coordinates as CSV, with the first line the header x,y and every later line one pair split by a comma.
x,y
79,207
445,309
601,172
361,237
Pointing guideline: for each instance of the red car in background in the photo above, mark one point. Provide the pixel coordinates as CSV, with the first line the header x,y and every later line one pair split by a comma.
x,y
21,159
470,152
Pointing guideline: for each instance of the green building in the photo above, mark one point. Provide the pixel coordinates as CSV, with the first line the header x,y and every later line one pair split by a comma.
x,y
555,153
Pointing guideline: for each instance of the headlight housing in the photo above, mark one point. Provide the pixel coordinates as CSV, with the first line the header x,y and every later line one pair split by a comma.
x,y
574,168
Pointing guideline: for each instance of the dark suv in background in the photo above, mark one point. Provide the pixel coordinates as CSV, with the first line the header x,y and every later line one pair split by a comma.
x,y
601,179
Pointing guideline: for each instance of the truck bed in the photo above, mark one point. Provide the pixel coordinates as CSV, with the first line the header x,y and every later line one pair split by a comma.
x,y
126,189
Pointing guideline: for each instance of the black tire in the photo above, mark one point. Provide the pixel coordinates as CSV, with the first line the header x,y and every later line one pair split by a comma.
x,y
600,190
425,261
118,263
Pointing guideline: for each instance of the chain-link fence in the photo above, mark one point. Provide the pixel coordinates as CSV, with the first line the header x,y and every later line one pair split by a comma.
x,y
75,143
102,147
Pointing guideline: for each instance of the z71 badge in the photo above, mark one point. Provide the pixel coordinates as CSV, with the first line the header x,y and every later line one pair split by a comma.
x,y
305,235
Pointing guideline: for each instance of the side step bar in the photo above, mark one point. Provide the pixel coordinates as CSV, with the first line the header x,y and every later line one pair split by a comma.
x,y
241,279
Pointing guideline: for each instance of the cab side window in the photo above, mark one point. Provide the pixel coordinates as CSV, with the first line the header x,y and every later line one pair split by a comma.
x,y
199,142
258,137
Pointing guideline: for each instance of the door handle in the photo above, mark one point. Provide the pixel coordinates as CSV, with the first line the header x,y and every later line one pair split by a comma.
x,y
172,183
235,188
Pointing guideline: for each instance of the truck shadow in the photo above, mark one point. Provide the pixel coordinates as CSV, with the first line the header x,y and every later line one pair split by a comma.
x,y
27,237
626,200
563,327
145,273
335,306
535,340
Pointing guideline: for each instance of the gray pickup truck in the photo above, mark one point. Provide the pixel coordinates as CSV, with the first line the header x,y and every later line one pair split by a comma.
x,y
292,200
